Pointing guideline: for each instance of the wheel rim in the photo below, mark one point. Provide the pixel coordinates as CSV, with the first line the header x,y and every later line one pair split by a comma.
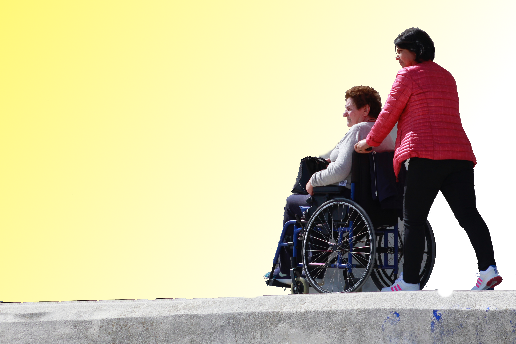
x,y
337,254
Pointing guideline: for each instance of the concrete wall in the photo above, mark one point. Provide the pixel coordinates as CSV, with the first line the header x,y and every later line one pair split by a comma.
x,y
401,317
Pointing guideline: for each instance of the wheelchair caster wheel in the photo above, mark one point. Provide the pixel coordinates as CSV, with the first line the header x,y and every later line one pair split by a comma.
x,y
301,286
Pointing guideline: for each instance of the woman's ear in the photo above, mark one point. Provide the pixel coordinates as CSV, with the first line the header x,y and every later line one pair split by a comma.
x,y
366,109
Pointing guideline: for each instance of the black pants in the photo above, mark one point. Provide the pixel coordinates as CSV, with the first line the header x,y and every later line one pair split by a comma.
x,y
292,208
454,178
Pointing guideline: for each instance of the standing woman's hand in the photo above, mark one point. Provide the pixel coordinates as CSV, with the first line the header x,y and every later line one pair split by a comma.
x,y
362,147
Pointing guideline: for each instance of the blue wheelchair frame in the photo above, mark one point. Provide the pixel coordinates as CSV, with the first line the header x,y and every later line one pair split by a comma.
x,y
297,265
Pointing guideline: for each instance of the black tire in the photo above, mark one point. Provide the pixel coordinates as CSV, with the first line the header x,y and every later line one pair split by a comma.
x,y
327,241
301,286
385,277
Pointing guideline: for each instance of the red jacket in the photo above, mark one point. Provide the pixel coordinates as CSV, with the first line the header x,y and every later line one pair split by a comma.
x,y
425,103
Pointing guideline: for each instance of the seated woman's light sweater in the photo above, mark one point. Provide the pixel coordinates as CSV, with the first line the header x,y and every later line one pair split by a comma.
x,y
338,171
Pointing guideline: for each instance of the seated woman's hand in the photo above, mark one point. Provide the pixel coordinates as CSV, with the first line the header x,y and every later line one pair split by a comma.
x,y
309,188
362,147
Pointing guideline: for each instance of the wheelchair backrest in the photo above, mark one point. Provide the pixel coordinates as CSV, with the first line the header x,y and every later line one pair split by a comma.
x,y
373,187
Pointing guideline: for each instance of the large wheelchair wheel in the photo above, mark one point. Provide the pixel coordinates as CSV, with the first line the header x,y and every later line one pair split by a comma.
x,y
385,253
338,247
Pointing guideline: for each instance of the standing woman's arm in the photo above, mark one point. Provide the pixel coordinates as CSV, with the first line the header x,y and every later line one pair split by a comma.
x,y
394,105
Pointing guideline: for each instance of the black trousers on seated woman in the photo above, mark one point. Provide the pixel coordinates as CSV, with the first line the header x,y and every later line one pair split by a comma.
x,y
292,209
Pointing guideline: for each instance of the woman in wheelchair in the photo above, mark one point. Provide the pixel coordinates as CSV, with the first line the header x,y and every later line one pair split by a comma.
x,y
363,104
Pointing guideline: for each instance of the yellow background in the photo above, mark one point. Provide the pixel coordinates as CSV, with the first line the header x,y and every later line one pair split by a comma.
x,y
147,147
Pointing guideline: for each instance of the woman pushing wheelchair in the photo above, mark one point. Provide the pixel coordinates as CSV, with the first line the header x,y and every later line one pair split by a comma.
x,y
363,105
432,142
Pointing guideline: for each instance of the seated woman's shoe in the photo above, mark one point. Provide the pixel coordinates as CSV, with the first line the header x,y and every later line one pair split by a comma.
x,y
277,275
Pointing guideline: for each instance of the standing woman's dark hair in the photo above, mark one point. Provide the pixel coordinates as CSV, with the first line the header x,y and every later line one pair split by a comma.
x,y
417,41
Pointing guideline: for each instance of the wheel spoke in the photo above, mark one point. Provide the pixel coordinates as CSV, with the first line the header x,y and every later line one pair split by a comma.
x,y
327,243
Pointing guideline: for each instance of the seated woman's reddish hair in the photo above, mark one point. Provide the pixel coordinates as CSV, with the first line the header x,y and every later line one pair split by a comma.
x,y
365,95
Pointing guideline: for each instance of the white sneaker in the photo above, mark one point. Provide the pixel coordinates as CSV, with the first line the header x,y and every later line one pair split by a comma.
x,y
488,279
401,285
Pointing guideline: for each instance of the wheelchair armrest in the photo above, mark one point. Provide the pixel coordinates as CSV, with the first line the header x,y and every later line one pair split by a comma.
x,y
329,189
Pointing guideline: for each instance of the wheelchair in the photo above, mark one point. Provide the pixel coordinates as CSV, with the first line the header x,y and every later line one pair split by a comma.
x,y
340,242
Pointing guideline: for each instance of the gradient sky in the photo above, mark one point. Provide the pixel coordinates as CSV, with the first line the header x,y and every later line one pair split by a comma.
x,y
147,147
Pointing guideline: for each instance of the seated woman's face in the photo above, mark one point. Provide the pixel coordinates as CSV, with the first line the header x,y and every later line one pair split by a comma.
x,y
354,115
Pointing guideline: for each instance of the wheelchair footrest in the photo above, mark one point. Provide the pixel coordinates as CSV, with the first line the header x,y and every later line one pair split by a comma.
x,y
275,283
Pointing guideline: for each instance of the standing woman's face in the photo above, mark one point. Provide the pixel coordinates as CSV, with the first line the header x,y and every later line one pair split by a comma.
x,y
406,57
